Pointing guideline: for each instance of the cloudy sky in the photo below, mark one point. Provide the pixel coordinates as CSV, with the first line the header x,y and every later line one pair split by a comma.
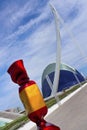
x,y
27,31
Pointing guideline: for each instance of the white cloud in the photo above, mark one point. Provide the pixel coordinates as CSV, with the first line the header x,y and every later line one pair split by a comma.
x,y
14,12
23,28
39,49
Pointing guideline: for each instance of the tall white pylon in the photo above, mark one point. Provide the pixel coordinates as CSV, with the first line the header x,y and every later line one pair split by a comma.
x,y
58,54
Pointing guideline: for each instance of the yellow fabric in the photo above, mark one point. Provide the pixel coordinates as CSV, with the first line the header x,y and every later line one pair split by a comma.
x,y
32,98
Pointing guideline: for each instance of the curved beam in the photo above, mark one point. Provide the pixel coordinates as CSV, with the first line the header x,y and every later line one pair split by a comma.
x,y
58,52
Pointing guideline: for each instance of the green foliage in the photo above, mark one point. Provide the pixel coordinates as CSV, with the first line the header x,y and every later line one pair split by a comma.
x,y
50,102
14,125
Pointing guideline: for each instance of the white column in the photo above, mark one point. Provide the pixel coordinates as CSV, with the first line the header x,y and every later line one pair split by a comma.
x,y
58,54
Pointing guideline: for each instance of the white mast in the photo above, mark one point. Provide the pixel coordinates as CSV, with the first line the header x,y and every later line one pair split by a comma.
x,y
58,54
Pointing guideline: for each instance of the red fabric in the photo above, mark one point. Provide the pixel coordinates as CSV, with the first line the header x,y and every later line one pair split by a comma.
x,y
31,82
17,72
43,125
37,115
51,128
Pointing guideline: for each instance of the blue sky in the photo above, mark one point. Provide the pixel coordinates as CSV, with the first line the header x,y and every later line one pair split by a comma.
x,y
27,31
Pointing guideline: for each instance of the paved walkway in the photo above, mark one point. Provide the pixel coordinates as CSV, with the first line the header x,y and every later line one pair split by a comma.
x,y
70,115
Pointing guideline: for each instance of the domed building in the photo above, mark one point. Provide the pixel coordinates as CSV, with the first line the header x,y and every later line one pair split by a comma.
x,y
68,77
